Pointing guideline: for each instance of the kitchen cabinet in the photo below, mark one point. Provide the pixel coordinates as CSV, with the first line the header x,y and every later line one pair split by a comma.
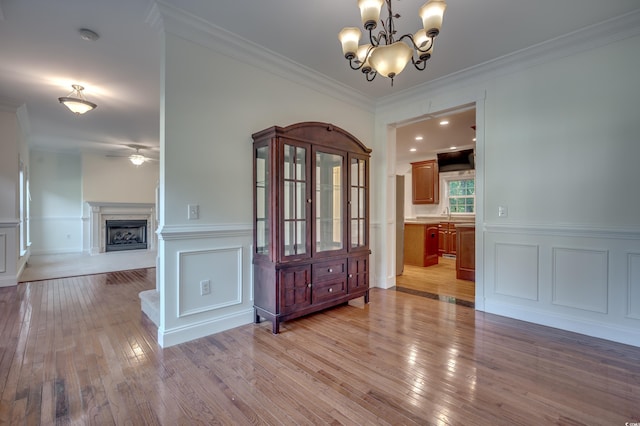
x,y
420,244
310,220
447,241
425,183
466,257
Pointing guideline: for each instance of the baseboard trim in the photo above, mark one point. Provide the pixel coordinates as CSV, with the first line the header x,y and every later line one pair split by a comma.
x,y
612,332
179,335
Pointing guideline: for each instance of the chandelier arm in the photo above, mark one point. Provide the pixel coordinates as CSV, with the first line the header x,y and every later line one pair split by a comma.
x,y
357,67
420,64
425,49
371,74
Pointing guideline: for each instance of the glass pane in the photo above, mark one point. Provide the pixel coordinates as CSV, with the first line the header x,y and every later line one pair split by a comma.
x,y
289,164
355,237
289,200
301,160
261,243
354,203
328,201
361,226
361,203
289,234
354,172
301,237
262,212
300,200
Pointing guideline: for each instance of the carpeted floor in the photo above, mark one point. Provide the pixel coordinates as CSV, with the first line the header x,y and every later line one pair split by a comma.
x,y
46,267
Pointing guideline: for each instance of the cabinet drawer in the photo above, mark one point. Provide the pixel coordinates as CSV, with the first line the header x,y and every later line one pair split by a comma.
x,y
332,269
328,290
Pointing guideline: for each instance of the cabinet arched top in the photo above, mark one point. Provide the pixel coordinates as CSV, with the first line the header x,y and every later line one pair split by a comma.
x,y
315,132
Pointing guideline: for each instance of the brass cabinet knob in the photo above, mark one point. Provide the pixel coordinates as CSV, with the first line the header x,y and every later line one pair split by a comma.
x,y
350,275
330,290
309,285
330,270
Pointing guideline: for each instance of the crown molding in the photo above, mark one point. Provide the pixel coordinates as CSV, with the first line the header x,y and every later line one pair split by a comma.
x,y
584,39
152,16
195,29
9,104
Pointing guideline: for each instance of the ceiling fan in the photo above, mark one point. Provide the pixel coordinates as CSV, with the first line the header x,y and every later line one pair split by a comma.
x,y
136,158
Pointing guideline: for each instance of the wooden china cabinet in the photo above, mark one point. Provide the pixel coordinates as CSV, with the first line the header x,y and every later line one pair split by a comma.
x,y
311,220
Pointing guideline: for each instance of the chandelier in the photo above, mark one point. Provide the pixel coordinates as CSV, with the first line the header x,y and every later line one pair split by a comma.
x,y
386,54
76,102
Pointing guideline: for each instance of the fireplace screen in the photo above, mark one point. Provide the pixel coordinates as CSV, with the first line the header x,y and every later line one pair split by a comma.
x,y
126,235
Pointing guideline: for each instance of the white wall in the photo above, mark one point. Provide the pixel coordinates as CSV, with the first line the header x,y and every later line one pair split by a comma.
x,y
558,146
213,103
115,179
61,183
56,202
9,171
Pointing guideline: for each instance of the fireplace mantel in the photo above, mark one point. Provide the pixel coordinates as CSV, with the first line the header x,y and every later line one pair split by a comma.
x,y
100,212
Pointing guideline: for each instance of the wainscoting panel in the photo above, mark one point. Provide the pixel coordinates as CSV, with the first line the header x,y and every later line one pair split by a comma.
x,y
220,254
580,279
3,253
516,269
221,268
633,261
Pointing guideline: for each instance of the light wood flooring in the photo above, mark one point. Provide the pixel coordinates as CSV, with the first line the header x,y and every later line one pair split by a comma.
x,y
437,282
79,351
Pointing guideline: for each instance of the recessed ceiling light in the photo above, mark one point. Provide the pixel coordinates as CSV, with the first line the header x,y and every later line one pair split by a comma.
x,y
444,122
418,138
413,150
452,147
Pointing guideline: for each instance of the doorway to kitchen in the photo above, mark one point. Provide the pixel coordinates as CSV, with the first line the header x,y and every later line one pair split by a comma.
x,y
435,239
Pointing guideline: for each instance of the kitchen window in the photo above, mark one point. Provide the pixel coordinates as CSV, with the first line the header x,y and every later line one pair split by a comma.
x,y
462,196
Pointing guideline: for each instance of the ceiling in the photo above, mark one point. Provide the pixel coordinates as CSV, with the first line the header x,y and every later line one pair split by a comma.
x,y
43,54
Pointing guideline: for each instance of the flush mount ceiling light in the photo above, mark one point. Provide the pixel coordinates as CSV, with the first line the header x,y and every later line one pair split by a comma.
x,y
76,102
384,54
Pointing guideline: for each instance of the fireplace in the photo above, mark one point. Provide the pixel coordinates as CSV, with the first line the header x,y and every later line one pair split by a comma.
x,y
125,235
135,222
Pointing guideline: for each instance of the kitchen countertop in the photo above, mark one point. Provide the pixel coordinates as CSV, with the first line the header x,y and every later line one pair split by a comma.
x,y
466,220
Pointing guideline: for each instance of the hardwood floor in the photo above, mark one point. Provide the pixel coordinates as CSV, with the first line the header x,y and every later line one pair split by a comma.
x,y
79,351
437,282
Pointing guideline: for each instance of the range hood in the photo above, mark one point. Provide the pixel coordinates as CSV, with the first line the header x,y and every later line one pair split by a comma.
x,y
456,160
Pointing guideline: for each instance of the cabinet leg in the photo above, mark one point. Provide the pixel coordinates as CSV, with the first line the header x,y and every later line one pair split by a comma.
x,y
256,319
366,297
276,326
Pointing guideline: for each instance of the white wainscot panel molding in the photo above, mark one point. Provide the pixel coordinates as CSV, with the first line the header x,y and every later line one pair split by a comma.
x,y
580,279
633,261
221,267
3,253
516,267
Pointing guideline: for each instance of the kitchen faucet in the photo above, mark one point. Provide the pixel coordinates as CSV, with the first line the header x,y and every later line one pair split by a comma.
x,y
447,212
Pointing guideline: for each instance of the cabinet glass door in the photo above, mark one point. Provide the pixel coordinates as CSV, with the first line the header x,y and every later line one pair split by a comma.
x,y
294,200
358,202
262,207
329,201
